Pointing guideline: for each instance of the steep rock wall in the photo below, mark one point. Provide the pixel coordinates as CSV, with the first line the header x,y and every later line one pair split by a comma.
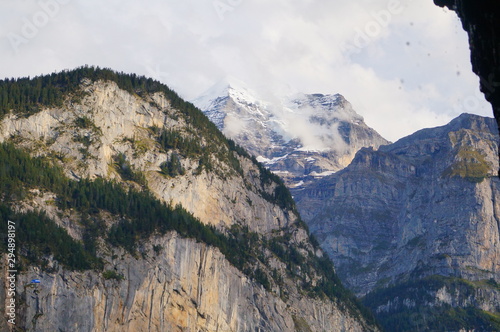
x,y
171,283
120,123
185,286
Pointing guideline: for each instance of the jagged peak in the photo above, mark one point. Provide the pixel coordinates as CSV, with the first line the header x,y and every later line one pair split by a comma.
x,y
312,97
313,104
230,87
473,122
333,106
463,121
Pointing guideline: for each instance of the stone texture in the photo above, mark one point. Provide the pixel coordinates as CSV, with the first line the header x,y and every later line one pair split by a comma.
x,y
120,118
424,206
186,286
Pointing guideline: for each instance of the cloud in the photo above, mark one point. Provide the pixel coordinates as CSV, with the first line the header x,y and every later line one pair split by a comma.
x,y
411,71
312,135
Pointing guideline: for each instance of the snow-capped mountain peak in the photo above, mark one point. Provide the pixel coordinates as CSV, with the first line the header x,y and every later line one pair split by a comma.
x,y
295,135
227,87
329,107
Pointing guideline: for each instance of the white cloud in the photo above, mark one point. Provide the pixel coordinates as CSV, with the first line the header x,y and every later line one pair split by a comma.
x,y
411,71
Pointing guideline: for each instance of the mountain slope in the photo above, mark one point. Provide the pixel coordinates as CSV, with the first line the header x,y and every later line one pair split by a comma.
x,y
172,227
414,227
301,138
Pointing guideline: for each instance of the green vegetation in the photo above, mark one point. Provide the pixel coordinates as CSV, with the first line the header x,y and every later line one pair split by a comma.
x,y
281,195
19,172
140,215
85,140
111,274
157,248
27,96
174,140
126,171
422,316
213,156
471,165
39,236
172,167
261,277
84,123
189,147
329,284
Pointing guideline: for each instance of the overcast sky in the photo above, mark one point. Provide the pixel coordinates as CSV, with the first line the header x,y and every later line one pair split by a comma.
x,y
403,64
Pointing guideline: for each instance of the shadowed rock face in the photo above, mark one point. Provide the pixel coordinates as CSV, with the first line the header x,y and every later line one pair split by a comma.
x,y
401,211
481,20
413,220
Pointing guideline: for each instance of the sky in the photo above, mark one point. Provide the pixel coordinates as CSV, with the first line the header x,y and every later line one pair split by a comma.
x,y
403,64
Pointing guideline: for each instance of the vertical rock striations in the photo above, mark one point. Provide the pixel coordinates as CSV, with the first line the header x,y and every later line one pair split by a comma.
x,y
421,213
137,214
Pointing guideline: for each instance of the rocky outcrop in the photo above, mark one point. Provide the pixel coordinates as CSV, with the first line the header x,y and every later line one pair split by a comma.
x,y
119,123
170,283
426,205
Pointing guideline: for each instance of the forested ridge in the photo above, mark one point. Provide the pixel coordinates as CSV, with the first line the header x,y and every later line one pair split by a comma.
x,y
27,96
137,213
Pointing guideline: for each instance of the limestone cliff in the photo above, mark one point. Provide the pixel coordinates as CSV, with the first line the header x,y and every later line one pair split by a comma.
x,y
106,136
186,286
122,123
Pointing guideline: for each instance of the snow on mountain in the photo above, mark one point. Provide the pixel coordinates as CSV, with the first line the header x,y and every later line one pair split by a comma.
x,y
300,137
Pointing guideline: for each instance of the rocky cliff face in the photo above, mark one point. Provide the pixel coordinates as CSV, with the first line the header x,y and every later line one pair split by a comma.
x,y
302,138
186,286
169,282
424,206
120,123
